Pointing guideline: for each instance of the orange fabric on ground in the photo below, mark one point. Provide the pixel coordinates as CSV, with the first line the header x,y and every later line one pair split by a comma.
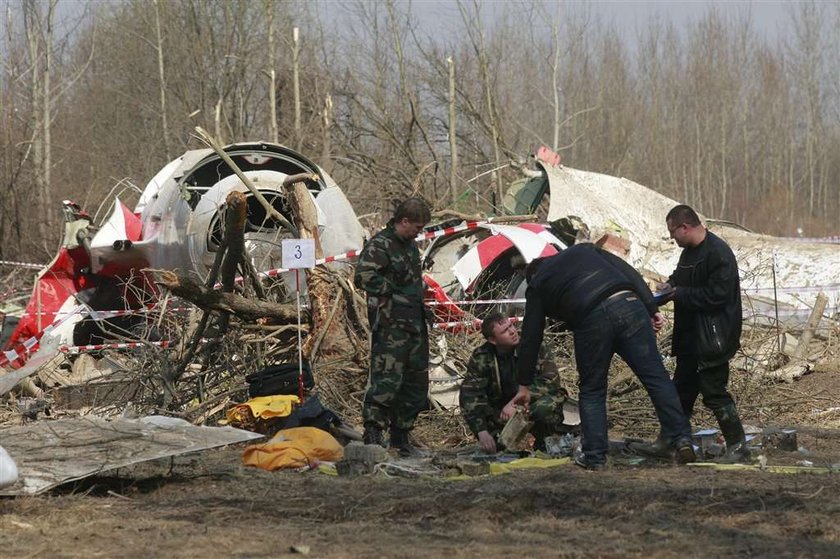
x,y
294,448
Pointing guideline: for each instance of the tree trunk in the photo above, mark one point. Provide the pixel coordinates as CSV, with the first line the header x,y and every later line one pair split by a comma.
x,y
453,130
272,72
162,82
325,294
296,84
247,309
327,119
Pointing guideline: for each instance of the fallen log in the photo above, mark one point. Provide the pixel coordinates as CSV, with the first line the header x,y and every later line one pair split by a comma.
x,y
248,310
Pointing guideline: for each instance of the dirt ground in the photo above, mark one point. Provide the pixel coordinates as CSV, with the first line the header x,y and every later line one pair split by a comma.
x,y
208,505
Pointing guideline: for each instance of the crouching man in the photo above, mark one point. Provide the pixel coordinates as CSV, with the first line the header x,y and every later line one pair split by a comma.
x,y
490,385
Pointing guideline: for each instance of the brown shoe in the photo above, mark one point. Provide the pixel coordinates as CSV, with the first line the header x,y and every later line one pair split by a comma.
x,y
684,451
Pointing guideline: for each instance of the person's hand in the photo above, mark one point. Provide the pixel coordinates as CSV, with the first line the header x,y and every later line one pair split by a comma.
x,y
664,286
508,411
522,397
487,442
658,321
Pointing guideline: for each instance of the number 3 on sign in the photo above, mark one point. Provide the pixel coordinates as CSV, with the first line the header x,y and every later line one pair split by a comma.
x,y
298,253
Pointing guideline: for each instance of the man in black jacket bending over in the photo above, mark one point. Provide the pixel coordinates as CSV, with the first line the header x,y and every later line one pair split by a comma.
x,y
609,308
707,326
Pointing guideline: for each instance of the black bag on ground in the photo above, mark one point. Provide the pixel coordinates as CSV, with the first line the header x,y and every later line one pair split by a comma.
x,y
312,414
281,378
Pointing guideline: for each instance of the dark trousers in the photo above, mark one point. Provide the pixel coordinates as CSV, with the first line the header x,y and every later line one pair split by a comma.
x,y
710,383
621,325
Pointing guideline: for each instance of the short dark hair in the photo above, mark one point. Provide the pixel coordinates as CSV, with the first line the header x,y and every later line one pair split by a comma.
x,y
532,267
683,214
415,209
489,323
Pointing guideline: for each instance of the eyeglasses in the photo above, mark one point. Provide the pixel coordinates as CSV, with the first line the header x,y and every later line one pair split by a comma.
x,y
672,229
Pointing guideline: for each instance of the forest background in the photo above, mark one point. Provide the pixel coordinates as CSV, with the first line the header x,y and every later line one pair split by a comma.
x,y
96,97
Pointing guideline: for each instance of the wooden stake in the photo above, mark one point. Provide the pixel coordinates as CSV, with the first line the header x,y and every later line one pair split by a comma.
x,y
811,325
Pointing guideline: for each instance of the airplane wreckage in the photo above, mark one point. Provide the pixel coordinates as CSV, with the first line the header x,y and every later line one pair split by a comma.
x,y
208,229
101,274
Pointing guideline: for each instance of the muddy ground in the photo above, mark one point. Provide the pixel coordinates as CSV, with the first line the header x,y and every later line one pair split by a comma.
x,y
208,505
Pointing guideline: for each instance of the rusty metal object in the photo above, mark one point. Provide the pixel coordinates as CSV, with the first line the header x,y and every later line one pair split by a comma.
x,y
515,430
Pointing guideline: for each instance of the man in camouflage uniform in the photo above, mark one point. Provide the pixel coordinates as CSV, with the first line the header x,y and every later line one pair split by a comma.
x,y
491,383
389,272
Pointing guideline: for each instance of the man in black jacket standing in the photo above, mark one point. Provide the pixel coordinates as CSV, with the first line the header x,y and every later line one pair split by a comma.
x,y
707,325
610,309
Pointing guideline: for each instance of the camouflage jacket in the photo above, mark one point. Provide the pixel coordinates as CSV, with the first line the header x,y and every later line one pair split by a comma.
x,y
389,269
490,383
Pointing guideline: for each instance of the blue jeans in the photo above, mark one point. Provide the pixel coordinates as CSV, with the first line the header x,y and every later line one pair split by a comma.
x,y
621,325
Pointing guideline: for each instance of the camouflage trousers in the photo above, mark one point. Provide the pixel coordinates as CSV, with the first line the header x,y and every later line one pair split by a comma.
x,y
399,376
545,410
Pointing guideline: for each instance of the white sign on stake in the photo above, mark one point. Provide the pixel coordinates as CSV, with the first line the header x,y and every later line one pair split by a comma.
x,y
298,253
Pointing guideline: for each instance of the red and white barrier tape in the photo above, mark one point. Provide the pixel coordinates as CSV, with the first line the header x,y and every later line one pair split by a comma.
x,y
450,230
476,322
30,344
97,347
277,271
102,315
354,253
475,302
789,290
21,264
831,239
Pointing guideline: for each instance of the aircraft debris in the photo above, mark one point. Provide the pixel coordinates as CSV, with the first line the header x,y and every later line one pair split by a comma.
x,y
780,276
51,453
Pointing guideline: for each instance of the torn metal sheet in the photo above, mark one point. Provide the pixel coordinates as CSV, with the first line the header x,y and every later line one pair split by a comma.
x,y
482,263
51,453
606,203
46,353
530,240
524,196
177,225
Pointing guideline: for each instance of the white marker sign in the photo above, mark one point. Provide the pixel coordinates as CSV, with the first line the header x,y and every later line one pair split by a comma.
x,y
298,253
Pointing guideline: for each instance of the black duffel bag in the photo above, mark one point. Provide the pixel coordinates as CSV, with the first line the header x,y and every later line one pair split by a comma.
x,y
281,378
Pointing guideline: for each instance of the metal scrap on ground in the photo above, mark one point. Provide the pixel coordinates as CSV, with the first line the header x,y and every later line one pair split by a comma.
x,y
51,453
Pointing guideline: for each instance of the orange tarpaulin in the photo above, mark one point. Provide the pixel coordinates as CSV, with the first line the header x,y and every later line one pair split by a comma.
x,y
294,448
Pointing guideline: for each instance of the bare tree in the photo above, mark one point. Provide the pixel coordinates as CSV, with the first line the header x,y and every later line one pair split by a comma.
x,y
475,31
453,133
296,84
272,71
159,47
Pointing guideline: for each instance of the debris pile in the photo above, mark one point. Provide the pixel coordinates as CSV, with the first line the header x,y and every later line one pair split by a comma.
x,y
196,351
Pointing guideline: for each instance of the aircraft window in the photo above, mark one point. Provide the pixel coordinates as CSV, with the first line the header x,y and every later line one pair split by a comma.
x,y
215,170
258,218
215,238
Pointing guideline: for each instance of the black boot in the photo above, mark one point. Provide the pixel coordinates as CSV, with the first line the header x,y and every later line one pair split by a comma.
x,y
660,448
399,442
684,451
373,434
733,434
681,450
